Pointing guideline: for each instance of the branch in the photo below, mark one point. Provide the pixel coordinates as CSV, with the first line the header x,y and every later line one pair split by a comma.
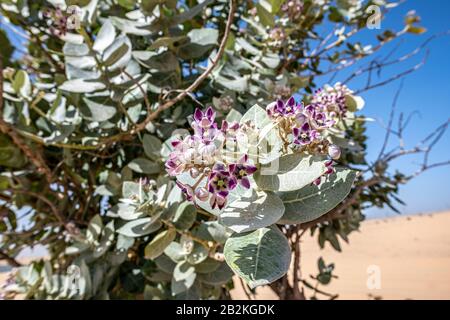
x,y
213,62
391,119
395,77
11,261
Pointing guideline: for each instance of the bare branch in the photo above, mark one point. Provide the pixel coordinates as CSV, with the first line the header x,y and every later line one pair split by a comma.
x,y
391,120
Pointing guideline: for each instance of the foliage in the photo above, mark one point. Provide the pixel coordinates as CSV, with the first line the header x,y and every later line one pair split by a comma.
x,y
92,117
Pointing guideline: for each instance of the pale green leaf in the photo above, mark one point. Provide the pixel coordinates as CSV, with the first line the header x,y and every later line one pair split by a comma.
x,y
259,210
259,257
159,243
289,173
311,202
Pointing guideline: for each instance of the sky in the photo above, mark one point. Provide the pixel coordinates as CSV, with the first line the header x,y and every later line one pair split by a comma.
x,y
426,91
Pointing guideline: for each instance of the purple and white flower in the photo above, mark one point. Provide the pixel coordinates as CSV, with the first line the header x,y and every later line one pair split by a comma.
x,y
220,183
241,170
305,134
200,155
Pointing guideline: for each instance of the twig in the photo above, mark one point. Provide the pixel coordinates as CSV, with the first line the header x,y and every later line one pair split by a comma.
x,y
391,119
213,62
11,261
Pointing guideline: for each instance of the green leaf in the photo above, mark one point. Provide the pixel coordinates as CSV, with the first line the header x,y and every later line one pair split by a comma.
x,y
257,116
140,227
127,4
354,103
311,202
85,281
175,252
118,55
10,155
184,216
164,263
126,211
22,84
159,243
289,173
198,255
212,231
124,242
98,109
142,165
152,147
106,240
259,257
233,115
265,16
244,44
183,278
207,266
276,5
239,84
94,228
259,210
82,86
105,36
131,189
191,13
201,41
4,183
219,276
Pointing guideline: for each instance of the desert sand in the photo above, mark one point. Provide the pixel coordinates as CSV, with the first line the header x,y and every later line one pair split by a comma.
x,y
411,253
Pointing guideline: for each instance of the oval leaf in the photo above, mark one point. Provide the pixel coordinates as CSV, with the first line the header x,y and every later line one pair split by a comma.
x,y
159,243
311,202
289,173
259,257
185,216
259,210
139,227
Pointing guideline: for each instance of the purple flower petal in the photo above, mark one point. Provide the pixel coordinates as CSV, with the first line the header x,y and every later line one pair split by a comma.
x,y
245,182
291,102
198,115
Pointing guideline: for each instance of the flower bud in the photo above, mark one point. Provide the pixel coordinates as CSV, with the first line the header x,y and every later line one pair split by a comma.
x,y
334,152
194,172
201,194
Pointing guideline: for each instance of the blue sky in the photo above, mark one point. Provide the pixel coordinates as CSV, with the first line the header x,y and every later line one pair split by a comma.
x,y
426,91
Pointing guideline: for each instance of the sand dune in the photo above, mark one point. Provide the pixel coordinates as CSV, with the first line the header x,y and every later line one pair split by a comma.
x,y
412,254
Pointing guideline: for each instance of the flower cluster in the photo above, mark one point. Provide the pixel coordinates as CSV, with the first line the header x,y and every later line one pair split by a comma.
x,y
277,35
304,123
58,20
307,123
200,155
292,8
332,99
303,127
